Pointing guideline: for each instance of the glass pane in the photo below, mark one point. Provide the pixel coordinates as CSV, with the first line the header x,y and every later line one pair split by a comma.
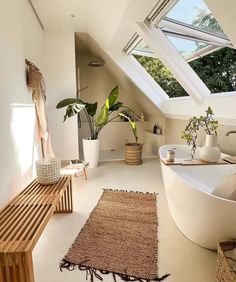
x,y
142,47
145,56
216,69
187,48
197,14
161,75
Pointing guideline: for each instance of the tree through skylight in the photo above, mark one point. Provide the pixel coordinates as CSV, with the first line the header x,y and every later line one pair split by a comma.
x,y
216,67
162,76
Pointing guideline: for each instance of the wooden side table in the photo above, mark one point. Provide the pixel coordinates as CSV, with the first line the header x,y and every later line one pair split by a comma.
x,y
68,167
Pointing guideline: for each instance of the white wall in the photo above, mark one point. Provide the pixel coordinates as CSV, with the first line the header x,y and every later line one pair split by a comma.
x,y
21,37
53,52
223,106
100,81
60,78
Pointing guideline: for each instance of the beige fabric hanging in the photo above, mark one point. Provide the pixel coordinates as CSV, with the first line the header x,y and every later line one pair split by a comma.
x,y
35,80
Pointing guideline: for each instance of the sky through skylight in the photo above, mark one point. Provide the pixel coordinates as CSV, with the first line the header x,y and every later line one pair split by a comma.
x,y
187,12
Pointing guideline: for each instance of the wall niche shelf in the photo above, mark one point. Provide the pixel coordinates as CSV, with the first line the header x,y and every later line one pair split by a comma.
x,y
153,142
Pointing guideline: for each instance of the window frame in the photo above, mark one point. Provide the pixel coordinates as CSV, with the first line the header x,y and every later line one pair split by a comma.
x,y
151,30
171,58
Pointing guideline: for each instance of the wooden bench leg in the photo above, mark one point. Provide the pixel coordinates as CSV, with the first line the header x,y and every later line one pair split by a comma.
x,y
65,205
85,173
16,267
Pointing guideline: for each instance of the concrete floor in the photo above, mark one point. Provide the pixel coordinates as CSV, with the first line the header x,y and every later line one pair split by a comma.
x,y
185,261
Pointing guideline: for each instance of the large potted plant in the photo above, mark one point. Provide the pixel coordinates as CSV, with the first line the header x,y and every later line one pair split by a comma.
x,y
108,113
210,152
133,151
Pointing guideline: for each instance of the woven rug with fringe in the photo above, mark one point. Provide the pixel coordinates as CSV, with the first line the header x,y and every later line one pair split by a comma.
x,y
119,237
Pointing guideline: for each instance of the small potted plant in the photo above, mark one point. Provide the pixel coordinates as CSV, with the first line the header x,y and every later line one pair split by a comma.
x,y
210,152
133,151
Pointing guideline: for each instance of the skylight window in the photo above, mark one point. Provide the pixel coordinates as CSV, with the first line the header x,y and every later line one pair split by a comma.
x,y
196,14
144,55
191,29
142,49
198,37
193,22
214,65
217,70
189,49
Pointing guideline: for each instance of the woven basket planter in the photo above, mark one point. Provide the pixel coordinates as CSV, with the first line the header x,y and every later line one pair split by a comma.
x,y
224,271
48,170
133,153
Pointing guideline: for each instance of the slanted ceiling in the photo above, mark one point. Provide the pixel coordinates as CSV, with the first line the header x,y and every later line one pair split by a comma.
x,y
111,24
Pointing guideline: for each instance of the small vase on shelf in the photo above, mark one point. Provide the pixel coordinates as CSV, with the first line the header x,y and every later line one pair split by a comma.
x,y
210,152
142,118
155,129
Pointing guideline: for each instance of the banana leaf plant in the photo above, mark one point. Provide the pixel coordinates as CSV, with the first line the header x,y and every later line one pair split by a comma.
x,y
96,124
133,126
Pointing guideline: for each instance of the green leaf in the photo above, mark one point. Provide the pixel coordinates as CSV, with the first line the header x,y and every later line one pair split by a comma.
x,y
115,107
112,97
69,113
133,126
67,102
209,111
91,108
110,101
72,110
103,116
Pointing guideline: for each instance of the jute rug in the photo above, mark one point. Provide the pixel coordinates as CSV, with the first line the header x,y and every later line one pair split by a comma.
x,y
120,237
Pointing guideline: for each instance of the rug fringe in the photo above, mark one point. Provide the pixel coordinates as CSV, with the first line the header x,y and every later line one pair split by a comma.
x,y
93,272
130,191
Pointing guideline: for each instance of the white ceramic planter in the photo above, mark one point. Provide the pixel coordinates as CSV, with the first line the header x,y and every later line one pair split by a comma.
x,y
210,152
91,150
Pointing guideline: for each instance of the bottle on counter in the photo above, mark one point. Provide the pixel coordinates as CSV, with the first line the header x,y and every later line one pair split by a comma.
x,y
159,130
155,128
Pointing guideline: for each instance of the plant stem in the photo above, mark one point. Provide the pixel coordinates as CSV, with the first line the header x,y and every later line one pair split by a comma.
x,y
125,107
98,129
90,124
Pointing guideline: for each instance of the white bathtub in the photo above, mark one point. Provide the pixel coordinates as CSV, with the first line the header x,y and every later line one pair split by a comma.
x,y
202,217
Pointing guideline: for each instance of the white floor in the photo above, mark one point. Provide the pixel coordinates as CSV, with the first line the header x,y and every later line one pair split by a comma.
x,y
117,155
185,261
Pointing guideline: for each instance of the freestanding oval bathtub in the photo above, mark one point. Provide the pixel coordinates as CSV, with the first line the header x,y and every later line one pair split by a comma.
x,y
202,217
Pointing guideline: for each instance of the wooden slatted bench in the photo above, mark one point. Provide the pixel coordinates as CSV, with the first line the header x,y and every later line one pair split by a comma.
x,y
22,222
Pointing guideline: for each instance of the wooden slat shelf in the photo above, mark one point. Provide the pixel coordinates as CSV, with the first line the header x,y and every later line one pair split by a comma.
x,y
22,222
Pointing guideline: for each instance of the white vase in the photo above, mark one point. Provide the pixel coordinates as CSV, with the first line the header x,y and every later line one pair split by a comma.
x,y
210,152
91,150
